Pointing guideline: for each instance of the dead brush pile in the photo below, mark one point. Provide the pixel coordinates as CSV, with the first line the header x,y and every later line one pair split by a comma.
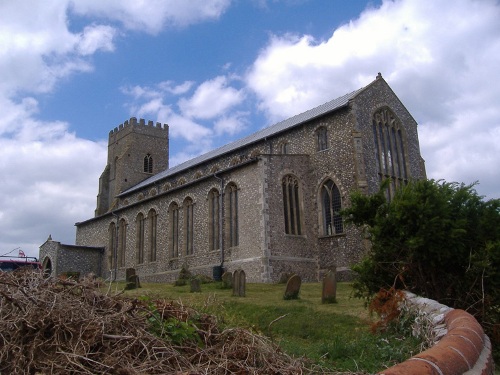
x,y
51,326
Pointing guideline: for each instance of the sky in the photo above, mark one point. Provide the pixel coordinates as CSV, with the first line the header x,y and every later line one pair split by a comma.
x,y
218,70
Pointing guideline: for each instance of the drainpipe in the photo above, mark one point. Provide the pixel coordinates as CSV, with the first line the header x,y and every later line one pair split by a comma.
x,y
221,210
115,250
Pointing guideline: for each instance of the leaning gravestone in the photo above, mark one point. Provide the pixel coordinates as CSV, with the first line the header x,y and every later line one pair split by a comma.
x,y
129,272
293,287
239,283
195,286
329,294
227,280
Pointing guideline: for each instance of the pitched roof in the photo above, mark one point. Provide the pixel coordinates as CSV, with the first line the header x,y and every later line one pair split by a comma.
x,y
250,139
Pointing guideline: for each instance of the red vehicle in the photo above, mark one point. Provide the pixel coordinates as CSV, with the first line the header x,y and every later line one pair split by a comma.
x,y
10,263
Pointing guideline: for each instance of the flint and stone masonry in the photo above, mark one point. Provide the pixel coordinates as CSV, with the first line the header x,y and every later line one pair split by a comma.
x,y
267,203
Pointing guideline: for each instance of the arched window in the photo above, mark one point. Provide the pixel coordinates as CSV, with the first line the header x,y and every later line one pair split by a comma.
x,y
152,220
390,150
122,242
213,219
188,225
284,147
111,245
231,211
291,205
174,230
331,205
140,238
148,163
322,138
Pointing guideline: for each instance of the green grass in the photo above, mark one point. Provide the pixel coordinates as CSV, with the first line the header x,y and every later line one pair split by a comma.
x,y
336,336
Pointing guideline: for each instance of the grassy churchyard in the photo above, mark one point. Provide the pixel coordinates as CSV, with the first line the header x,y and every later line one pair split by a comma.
x,y
336,336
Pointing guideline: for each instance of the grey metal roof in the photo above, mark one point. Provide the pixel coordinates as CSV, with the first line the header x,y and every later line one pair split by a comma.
x,y
252,138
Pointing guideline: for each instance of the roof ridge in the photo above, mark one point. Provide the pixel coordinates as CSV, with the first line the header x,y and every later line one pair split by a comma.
x,y
270,130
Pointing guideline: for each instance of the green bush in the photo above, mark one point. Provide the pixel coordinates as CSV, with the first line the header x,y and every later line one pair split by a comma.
x,y
437,239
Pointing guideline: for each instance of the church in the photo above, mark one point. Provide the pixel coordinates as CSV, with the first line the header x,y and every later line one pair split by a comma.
x,y
268,203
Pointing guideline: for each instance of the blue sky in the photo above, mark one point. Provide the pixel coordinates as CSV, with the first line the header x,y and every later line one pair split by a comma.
x,y
217,70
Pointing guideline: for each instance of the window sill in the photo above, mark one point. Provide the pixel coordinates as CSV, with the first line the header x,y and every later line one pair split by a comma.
x,y
332,235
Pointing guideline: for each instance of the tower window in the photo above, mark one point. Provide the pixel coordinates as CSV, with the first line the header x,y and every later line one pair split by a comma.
x,y
148,163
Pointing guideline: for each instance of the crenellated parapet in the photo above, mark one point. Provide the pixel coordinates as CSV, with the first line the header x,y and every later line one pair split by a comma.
x,y
140,126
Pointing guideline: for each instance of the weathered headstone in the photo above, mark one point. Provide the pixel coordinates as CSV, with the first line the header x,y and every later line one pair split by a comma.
x,y
195,285
293,287
329,294
227,280
239,283
129,272
132,279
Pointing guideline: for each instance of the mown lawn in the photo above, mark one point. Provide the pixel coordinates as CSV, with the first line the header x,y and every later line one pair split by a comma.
x,y
336,336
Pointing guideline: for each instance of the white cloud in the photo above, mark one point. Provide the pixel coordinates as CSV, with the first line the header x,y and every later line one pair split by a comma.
x,y
211,99
151,16
440,60
95,38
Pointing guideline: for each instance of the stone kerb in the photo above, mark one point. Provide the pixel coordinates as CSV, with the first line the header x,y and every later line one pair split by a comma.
x,y
461,345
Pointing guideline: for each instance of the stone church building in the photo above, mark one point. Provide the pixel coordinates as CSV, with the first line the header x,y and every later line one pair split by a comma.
x,y
268,203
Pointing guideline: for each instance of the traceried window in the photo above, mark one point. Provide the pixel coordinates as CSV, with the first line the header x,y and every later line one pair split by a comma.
x,y
213,219
331,205
322,138
139,222
390,149
188,225
231,213
111,245
122,242
174,230
291,205
152,222
148,163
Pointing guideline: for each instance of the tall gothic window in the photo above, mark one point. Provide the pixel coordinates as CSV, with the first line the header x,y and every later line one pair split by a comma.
x,y
291,205
188,225
322,138
152,220
122,242
140,238
231,211
111,245
331,205
390,149
213,219
174,230
148,163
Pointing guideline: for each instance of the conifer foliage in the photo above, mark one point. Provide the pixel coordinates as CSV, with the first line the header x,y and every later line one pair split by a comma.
x,y
438,239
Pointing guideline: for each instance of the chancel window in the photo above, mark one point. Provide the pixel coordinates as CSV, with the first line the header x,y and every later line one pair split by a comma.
x,y
331,205
291,205
214,219
140,238
322,138
112,245
174,230
148,163
122,242
188,225
390,149
152,219
231,210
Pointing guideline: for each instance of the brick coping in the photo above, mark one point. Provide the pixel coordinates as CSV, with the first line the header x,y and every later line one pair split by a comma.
x,y
462,347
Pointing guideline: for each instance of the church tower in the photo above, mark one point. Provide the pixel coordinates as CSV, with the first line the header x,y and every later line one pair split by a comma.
x,y
136,151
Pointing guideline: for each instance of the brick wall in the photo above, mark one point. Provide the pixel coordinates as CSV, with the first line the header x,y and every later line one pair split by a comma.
x,y
462,346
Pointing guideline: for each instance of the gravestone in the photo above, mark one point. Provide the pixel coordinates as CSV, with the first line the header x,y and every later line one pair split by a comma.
x,y
227,280
329,294
131,279
195,286
293,287
239,283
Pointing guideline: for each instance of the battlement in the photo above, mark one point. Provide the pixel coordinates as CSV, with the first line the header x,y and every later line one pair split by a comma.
x,y
133,123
